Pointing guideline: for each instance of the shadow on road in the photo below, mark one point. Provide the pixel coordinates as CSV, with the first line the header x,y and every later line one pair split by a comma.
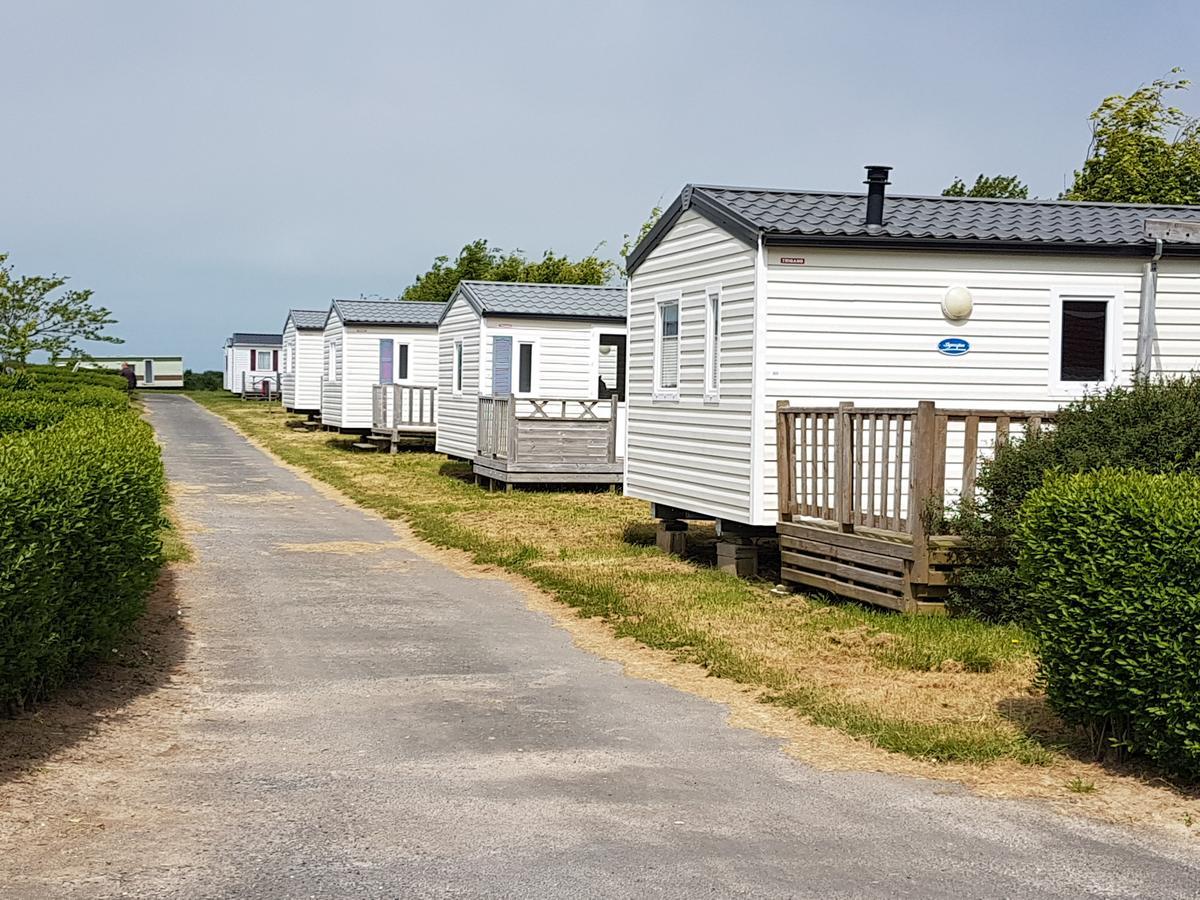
x,y
100,695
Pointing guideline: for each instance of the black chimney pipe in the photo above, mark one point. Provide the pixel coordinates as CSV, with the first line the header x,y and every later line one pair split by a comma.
x,y
877,180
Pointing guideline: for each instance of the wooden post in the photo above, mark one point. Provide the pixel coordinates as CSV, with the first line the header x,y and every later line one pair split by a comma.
x,y
481,424
612,429
785,460
920,485
843,476
512,429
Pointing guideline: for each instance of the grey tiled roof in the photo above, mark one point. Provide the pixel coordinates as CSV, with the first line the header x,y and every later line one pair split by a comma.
x,y
388,312
941,218
576,301
308,319
257,340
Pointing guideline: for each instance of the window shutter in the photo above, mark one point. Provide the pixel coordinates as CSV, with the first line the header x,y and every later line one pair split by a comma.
x,y
385,361
501,366
253,360
275,360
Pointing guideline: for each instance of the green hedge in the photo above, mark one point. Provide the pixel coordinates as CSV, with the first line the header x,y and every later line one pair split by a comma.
x,y
1112,564
1150,426
81,489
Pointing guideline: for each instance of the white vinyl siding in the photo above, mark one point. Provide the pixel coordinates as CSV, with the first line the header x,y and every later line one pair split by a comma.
x,y
302,358
332,411
458,403
691,454
864,326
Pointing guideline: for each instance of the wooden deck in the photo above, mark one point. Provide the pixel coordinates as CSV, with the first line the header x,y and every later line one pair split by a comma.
x,y
861,488
403,413
548,441
260,386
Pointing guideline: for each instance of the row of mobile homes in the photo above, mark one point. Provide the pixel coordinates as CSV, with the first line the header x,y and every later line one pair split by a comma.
x,y
300,362
531,381
387,344
252,364
895,339
153,372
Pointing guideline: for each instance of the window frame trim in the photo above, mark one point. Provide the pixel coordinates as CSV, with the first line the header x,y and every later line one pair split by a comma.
x,y
712,340
534,356
456,368
661,394
1113,339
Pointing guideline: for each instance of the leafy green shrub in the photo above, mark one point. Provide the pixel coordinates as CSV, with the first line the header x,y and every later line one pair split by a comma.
x,y
211,380
1111,561
1149,426
81,486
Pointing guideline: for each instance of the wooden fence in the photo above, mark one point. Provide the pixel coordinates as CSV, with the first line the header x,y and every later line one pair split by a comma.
x,y
404,408
860,487
560,433
260,386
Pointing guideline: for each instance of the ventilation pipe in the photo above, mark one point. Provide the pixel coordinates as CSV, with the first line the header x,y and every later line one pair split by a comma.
x,y
877,181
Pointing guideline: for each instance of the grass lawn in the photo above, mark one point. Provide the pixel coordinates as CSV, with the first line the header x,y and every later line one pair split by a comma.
x,y
930,687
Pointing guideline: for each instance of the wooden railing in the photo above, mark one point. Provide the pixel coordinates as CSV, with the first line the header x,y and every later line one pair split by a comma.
x,y
883,467
889,472
562,430
404,407
264,384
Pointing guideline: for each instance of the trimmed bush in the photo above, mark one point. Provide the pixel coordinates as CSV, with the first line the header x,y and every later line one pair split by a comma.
x,y
81,487
1111,561
1148,426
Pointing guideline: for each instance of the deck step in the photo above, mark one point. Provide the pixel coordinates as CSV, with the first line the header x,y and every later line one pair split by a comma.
x,y
365,446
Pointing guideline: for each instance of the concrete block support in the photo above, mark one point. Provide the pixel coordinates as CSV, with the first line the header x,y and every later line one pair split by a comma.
x,y
672,537
739,557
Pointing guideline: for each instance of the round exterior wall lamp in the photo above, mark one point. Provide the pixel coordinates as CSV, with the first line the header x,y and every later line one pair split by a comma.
x,y
957,304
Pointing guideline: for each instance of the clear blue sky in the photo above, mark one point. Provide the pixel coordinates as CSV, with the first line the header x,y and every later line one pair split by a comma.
x,y
206,166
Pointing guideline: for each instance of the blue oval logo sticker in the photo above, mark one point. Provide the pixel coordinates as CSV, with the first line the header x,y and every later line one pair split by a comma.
x,y
953,346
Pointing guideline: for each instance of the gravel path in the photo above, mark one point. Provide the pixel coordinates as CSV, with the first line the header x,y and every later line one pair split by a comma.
x,y
366,722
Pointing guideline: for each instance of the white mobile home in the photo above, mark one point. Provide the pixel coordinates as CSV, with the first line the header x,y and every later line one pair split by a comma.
x,y
542,355
744,298
300,362
153,372
370,343
252,363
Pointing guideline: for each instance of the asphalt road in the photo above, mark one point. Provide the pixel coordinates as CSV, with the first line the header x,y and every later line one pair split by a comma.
x,y
372,724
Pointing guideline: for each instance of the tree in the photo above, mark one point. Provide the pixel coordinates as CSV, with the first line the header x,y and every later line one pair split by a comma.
x,y
631,244
1006,187
32,319
1142,150
477,261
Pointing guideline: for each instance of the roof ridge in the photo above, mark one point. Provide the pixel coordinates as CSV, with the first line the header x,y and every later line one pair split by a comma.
x,y
1029,201
551,284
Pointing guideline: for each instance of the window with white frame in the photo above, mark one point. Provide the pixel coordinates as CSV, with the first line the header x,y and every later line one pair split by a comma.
x,y
1085,342
666,348
262,360
712,343
458,367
